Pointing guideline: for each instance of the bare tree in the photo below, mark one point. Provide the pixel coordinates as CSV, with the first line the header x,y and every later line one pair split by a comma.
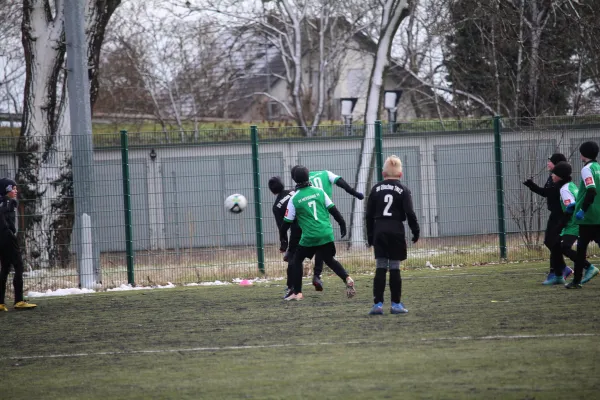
x,y
12,69
392,13
309,39
44,174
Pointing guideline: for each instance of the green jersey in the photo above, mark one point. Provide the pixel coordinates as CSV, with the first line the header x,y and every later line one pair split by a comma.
x,y
590,178
323,180
310,206
568,194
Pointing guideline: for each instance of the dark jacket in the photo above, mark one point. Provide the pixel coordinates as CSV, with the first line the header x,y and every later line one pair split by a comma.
x,y
551,192
8,217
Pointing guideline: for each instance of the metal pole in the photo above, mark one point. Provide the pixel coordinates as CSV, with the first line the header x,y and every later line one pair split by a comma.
x,y
127,206
379,150
78,86
499,186
260,247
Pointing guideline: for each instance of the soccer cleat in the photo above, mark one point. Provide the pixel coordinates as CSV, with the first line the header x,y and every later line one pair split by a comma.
x,y
23,305
556,280
398,308
377,309
318,283
297,297
350,290
287,292
589,274
567,272
573,285
549,278
3,307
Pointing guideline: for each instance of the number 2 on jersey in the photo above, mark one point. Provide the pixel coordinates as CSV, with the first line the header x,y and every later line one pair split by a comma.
x,y
388,199
313,205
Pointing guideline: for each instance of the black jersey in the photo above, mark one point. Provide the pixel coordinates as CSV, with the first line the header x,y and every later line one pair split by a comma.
x,y
279,209
389,205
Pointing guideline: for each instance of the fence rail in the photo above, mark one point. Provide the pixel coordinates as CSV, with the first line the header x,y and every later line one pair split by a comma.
x,y
158,212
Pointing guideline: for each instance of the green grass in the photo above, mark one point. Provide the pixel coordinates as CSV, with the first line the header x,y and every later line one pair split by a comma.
x,y
185,343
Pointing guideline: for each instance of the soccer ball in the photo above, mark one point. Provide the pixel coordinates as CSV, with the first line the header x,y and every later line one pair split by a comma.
x,y
236,203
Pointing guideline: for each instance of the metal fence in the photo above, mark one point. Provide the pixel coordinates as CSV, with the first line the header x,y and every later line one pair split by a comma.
x,y
158,213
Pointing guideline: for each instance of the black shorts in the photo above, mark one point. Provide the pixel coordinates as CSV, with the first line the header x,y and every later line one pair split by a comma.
x,y
390,245
326,251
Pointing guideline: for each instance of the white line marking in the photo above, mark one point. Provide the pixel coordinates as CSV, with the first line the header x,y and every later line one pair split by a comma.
x,y
275,346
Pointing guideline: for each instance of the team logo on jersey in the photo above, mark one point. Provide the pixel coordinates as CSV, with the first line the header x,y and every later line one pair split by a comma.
x,y
589,181
567,202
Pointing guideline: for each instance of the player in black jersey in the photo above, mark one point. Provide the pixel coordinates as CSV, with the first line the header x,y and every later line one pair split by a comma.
x,y
389,205
281,201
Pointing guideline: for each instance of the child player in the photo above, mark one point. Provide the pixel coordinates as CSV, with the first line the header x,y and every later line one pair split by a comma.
x,y
389,205
311,206
569,230
325,180
281,201
587,212
10,254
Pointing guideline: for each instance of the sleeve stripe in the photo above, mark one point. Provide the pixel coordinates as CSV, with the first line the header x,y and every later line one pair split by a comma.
x,y
288,220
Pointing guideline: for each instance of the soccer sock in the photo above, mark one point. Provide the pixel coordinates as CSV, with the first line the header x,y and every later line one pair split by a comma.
x,y
395,285
379,285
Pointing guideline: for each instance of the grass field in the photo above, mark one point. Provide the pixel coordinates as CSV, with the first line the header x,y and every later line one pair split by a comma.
x,y
478,332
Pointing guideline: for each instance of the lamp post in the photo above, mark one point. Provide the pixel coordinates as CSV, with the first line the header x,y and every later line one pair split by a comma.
x,y
347,105
390,103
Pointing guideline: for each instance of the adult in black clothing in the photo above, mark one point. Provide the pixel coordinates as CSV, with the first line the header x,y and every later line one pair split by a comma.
x,y
551,192
10,253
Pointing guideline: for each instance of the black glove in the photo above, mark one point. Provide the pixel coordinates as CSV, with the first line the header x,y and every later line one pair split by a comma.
x,y
283,245
343,230
415,237
529,183
360,196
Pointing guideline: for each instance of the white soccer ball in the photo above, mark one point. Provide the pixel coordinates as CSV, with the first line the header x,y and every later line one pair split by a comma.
x,y
236,203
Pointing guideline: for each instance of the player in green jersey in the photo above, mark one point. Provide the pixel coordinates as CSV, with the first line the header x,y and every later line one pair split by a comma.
x,y
311,207
325,180
587,212
567,229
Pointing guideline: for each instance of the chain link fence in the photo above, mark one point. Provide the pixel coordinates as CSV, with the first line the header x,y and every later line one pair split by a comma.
x,y
157,212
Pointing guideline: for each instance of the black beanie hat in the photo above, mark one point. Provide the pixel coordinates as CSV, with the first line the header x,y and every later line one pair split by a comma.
x,y
6,185
300,174
562,170
275,185
589,150
557,157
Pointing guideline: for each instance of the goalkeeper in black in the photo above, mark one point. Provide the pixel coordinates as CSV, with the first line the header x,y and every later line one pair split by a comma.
x,y
281,201
389,205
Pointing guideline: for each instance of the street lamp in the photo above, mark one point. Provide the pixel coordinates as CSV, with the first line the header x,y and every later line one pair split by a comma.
x,y
347,105
390,103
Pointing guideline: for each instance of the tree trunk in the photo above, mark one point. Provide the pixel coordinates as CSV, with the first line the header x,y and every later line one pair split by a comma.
x,y
44,149
393,13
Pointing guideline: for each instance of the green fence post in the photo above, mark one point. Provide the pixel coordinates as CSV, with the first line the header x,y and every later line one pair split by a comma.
x,y
127,203
260,247
379,150
499,186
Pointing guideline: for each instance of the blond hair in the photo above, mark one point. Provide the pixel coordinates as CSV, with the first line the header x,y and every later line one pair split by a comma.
x,y
392,167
